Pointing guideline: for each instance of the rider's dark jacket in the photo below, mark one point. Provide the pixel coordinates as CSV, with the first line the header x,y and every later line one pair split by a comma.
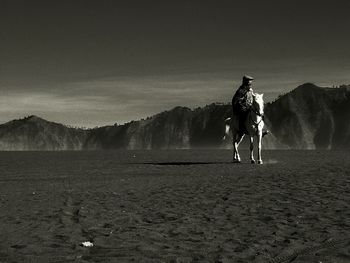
x,y
242,100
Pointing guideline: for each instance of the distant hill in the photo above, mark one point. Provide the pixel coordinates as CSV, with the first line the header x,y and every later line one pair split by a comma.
x,y
309,117
34,133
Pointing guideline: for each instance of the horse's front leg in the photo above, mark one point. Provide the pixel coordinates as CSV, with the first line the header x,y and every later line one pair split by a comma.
x,y
259,147
227,128
252,149
235,149
234,155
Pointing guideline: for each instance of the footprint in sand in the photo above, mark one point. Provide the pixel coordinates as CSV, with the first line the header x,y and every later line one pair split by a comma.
x,y
18,246
70,212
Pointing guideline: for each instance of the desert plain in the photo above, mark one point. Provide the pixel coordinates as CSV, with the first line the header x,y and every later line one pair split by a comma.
x,y
174,206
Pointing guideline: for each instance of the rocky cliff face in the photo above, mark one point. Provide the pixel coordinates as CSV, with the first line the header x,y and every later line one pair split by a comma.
x,y
308,117
311,117
177,128
166,130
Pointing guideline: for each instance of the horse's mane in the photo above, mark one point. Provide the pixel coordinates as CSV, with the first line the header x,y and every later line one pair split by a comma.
x,y
258,98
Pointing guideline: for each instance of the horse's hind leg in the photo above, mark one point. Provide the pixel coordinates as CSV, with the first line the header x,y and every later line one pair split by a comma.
x,y
252,149
237,138
259,148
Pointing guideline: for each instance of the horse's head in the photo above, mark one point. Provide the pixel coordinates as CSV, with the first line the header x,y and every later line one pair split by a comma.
x,y
258,104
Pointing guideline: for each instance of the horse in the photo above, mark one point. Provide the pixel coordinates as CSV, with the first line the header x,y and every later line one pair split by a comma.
x,y
254,124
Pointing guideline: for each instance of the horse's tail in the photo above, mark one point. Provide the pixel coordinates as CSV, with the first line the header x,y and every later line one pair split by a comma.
x,y
227,127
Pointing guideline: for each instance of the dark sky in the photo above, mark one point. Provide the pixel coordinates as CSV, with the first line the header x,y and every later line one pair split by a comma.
x,y
89,63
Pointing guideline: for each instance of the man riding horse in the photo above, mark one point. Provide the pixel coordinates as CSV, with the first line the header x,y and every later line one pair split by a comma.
x,y
247,119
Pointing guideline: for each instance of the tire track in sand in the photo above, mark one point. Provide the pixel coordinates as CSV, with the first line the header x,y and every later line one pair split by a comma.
x,y
70,229
306,251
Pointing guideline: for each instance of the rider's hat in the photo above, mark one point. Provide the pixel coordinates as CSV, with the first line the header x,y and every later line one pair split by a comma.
x,y
246,78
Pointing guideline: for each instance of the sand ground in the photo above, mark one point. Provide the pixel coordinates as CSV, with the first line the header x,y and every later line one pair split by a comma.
x,y
174,206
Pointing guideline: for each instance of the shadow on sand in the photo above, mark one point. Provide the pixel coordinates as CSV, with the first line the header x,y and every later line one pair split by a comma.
x,y
185,163
270,161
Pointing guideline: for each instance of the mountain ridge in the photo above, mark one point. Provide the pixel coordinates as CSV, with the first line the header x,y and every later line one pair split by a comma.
x,y
308,117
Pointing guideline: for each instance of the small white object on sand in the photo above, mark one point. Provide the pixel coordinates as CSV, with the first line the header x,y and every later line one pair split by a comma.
x,y
87,244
